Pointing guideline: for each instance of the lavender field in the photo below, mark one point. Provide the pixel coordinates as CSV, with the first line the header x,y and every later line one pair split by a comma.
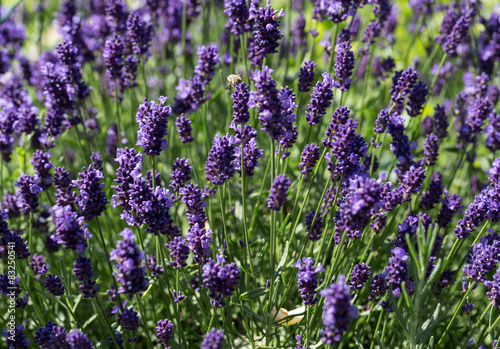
x,y
229,174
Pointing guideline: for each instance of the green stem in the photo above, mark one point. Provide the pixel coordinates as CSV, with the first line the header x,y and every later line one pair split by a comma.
x,y
144,321
110,266
243,203
332,54
454,315
117,111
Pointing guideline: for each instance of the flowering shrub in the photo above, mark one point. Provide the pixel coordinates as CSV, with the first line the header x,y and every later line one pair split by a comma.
x,y
233,174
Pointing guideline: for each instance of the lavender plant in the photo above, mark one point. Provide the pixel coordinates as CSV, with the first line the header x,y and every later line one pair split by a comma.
x,y
323,174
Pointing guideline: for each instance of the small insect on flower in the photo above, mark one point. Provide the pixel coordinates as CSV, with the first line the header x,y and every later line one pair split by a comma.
x,y
233,80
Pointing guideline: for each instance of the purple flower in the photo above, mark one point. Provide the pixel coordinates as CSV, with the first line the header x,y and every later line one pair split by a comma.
x,y
129,319
251,155
190,96
344,64
485,206
398,272
183,125
64,186
412,180
54,285
181,174
84,273
279,191
362,200
493,132
16,340
290,131
416,100
337,311
431,197
400,144
55,91
208,58
179,251
440,123
241,98
237,11
139,33
51,336
402,83
266,32
378,287
164,332
267,99
431,149
339,118
129,78
116,12
451,205
67,53
130,273
456,35
359,276
156,269
477,113
152,119
308,279
199,243
306,76
494,289
41,163
28,193
113,56
382,121
408,227
220,280
77,339
70,229
92,200
193,197
213,340
309,158
37,264
321,99
219,166
314,226
9,287
483,257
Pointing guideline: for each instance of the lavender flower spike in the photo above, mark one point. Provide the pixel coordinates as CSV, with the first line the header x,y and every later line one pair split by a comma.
x,y
308,279
92,200
152,119
208,59
278,193
213,340
321,99
344,64
306,76
28,193
219,166
130,273
337,311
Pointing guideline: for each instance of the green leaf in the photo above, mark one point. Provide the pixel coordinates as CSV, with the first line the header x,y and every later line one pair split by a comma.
x,y
89,321
255,293
399,315
285,255
379,341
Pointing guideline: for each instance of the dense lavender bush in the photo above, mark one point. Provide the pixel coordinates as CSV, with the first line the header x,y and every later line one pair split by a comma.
x,y
244,174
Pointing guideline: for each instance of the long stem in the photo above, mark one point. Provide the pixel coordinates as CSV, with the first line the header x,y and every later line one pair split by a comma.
x,y
117,111
184,29
454,315
332,54
144,321
106,252
243,203
144,79
271,248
